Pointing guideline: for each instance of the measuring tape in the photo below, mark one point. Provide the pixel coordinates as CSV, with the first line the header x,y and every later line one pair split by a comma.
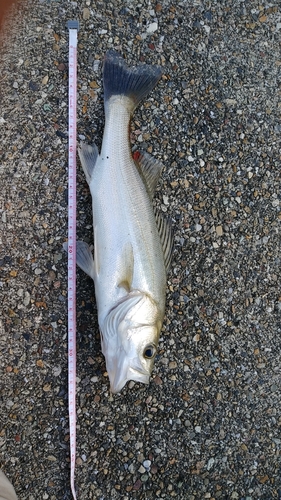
x,y
73,27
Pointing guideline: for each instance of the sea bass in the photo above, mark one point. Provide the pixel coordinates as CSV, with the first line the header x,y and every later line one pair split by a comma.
x,y
132,243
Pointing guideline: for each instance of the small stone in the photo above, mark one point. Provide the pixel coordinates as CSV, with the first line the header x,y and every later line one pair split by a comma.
x,y
141,469
61,67
173,364
126,437
96,65
157,380
57,257
144,478
93,85
132,468
45,80
219,230
33,86
86,14
137,485
154,469
152,28
57,371
210,464
263,479
147,464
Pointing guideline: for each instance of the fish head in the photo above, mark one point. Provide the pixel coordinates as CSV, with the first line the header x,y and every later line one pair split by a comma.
x,y
130,337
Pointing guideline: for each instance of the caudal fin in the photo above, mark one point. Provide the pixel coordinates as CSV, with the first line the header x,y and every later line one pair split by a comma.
x,y
135,82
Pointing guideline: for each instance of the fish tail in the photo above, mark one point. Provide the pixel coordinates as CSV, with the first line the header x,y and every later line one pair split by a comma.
x,y
135,82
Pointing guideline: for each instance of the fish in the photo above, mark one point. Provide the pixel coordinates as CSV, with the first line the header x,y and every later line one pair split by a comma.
x,y
132,242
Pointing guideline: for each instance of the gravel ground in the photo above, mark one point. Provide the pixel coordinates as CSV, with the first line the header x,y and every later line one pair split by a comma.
x,y
208,425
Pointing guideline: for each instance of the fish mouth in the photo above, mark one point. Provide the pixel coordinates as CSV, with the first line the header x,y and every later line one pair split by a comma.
x,y
122,369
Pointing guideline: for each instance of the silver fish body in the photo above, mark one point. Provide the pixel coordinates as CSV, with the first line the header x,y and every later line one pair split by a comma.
x,y
132,246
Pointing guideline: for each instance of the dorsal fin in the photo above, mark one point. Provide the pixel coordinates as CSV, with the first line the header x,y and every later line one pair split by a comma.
x,y
150,169
165,230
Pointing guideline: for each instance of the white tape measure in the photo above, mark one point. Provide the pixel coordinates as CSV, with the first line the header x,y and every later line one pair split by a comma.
x,y
73,27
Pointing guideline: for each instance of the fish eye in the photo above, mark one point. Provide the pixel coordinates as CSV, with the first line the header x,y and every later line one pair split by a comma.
x,y
149,351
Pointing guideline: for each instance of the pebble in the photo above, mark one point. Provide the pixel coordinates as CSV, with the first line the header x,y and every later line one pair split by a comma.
x,y
173,364
86,14
219,230
26,300
147,464
210,464
152,27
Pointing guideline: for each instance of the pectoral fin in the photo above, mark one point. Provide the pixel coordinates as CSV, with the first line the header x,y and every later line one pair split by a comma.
x,y
126,267
88,156
84,258
150,169
166,237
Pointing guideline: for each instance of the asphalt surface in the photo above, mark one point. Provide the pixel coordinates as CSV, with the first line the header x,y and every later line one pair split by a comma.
x,y
208,425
